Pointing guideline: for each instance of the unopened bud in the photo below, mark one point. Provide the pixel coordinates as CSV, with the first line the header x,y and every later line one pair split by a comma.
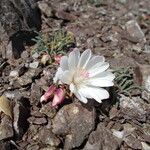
x,y
58,97
48,93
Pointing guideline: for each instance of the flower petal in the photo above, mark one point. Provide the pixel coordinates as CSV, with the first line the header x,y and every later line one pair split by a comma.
x,y
64,63
58,97
73,59
67,77
105,75
97,93
104,79
72,88
81,97
94,60
98,68
85,57
99,82
58,75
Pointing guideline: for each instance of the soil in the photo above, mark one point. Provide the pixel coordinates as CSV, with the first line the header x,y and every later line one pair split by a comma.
x,y
117,29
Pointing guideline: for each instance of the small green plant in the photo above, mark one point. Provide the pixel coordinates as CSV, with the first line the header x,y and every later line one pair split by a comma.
x,y
57,43
124,81
41,44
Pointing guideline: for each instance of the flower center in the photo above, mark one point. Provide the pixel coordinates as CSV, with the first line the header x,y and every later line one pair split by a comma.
x,y
84,74
80,77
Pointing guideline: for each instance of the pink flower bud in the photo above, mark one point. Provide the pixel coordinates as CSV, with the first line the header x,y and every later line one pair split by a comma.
x,y
57,58
58,97
48,93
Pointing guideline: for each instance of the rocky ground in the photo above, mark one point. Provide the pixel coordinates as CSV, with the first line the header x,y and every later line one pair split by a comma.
x,y
117,29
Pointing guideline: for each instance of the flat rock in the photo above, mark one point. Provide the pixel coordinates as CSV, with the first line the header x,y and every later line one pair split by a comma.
x,y
27,78
65,15
134,108
12,94
48,111
102,139
40,134
37,120
74,121
47,137
14,73
36,93
24,80
133,142
6,128
135,31
45,8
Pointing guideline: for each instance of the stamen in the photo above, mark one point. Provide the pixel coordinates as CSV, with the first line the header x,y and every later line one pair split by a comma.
x,y
84,73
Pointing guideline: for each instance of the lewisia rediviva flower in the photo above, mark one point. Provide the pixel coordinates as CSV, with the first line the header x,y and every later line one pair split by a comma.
x,y
86,75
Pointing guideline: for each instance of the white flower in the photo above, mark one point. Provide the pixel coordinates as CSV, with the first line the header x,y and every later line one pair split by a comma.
x,y
147,83
85,75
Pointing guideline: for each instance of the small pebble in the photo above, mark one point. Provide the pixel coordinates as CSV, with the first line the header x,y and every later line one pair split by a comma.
x,y
34,65
14,73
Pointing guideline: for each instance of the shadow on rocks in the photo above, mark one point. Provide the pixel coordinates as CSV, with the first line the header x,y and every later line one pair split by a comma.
x,y
21,114
19,20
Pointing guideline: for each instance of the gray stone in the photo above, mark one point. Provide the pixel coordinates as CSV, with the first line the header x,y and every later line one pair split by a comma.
x,y
50,112
135,31
146,96
34,64
6,128
74,121
65,15
25,55
37,120
102,139
26,79
36,93
33,73
12,94
8,52
47,137
45,8
147,49
134,108
33,145
133,142
146,129
14,73
35,55
137,48
145,146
